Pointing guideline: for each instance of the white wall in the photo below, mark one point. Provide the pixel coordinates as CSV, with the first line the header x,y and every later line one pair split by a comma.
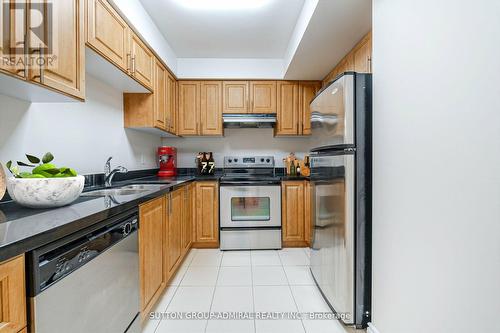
x,y
436,233
80,135
142,22
238,142
214,68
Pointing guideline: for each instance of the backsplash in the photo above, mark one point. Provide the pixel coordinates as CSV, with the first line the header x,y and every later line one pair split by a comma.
x,y
238,142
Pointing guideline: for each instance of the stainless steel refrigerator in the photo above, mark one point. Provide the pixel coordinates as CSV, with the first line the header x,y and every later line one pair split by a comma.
x,y
341,163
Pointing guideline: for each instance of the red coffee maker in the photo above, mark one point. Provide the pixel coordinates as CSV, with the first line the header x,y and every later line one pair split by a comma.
x,y
167,158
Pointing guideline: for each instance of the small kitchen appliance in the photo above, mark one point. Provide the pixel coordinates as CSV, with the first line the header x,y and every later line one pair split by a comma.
x,y
250,204
167,159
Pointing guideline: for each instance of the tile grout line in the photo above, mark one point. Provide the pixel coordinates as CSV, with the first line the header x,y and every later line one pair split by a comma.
x,y
253,295
215,288
291,292
175,291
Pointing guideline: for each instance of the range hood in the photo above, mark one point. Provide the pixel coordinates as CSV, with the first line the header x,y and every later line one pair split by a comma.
x,y
249,120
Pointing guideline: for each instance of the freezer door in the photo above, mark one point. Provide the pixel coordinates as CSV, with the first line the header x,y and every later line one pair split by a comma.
x,y
332,252
332,114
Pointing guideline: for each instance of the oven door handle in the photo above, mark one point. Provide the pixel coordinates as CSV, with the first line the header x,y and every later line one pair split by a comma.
x,y
250,183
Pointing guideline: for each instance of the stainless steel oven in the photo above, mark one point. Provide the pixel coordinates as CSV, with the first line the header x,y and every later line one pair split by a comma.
x,y
250,204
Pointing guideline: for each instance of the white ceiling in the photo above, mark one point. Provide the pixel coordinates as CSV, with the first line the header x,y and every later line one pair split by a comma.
x,y
335,27
302,39
254,33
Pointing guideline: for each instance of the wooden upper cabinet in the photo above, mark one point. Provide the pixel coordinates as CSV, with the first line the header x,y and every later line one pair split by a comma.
x,y
171,112
160,96
152,221
13,295
292,213
64,68
173,251
189,107
235,97
288,108
107,33
142,61
307,91
262,96
211,108
14,36
207,214
363,56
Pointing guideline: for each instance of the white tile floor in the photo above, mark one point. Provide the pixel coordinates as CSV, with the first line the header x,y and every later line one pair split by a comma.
x,y
246,281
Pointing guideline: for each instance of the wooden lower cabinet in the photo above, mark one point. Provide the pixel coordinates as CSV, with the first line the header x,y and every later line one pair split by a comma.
x,y
13,296
151,244
295,213
207,214
187,219
173,249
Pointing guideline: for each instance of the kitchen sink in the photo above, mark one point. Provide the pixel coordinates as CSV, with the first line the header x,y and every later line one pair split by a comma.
x,y
146,187
112,191
125,190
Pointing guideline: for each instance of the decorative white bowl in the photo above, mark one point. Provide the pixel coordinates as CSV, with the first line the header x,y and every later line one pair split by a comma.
x,y
45,192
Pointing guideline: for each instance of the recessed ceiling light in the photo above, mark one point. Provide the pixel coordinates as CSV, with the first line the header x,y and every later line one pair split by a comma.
x,y
222,5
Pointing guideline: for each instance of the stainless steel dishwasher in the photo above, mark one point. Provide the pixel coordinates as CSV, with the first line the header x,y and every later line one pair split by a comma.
x,y
89,281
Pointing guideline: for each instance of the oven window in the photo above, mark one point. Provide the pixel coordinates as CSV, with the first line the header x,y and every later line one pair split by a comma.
x,y
250,209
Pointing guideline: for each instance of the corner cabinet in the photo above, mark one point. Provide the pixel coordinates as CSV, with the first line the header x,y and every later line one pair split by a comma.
x,y
207,214
151,247
295,213
13,295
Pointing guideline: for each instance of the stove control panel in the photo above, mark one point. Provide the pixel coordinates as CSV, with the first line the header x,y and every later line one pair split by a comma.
x,y
249,162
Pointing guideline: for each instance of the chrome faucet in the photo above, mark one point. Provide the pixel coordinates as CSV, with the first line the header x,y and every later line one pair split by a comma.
x,y
109,174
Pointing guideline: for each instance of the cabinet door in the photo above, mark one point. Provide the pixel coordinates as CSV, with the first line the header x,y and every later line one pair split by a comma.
x,y
211,108
362,56
64,65
263,96
207,214
292,196
189,107
142,61
174,247
13,39
160,96
13,295
235,97
307,213
288,108
307,91
171,113
151,219
108,33
187,219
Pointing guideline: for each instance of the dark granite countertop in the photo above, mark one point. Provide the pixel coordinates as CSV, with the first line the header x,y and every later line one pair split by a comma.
x,y
289,178
24,229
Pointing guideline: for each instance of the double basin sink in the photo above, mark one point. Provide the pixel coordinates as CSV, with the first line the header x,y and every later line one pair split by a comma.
x,y
125,190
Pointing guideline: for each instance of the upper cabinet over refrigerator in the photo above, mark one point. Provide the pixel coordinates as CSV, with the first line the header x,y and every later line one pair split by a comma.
x,y
333,112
